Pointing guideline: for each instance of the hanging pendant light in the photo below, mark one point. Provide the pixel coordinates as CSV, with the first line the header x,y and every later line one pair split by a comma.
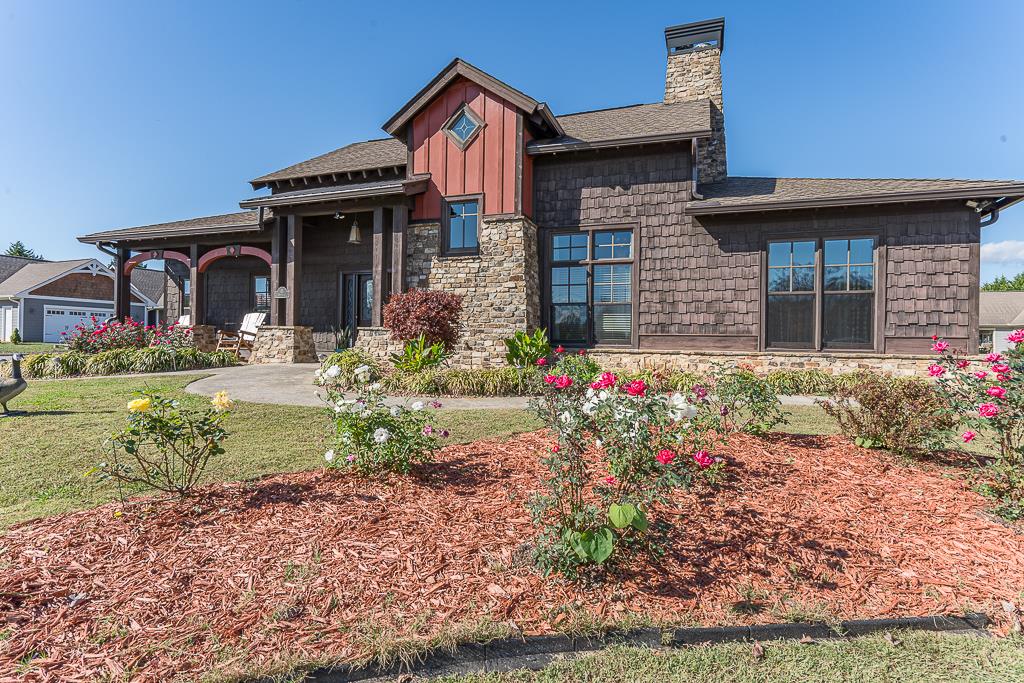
x,y
354,236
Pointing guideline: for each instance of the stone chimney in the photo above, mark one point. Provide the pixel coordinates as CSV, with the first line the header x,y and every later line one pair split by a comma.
x,y
695,73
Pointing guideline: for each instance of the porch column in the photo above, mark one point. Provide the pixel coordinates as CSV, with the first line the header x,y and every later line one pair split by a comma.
x,y
277,270
399,224
377,317
122,286
197,289
293,271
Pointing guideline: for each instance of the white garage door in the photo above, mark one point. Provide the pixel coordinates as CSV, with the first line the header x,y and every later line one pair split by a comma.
x,y
59,319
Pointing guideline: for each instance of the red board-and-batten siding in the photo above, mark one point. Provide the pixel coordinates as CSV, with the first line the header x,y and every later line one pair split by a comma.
x,y
487,166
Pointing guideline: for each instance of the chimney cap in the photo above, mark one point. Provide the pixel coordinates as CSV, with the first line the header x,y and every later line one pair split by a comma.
x,y
700,35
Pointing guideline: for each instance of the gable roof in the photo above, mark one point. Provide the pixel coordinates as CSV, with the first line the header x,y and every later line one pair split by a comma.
x,y
460,68
742,194
1001,309
244,221
629,125
358,156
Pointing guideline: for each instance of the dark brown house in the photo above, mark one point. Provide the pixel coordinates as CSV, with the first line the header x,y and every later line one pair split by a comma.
x,y
618,230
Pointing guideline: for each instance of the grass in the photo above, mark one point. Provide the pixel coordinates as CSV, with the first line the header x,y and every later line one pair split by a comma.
x,y
905,656
45,453
28,347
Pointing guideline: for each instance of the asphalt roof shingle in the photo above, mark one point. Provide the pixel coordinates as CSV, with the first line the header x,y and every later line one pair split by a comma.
x,y
755,193
36,273
1001,309
358,156
151,283
9,265
634,121
228,222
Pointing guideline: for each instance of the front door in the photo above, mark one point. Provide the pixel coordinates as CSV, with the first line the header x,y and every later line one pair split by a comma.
x,y
356,297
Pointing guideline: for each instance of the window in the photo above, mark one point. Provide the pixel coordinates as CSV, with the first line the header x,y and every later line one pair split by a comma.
x,y
261,293
463,126
591,287
462,220
834,308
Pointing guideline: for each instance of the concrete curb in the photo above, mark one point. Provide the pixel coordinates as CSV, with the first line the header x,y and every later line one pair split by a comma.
x,y
536,652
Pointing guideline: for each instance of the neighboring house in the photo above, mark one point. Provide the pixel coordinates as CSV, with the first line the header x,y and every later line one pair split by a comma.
x,y
1000,314
618,230
41,299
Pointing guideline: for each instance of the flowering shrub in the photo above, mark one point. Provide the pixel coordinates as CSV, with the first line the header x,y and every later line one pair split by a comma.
x,y
579,366
96,336
903,416
339,369
428,312
743,401
165,446
989,396
372,437
620,448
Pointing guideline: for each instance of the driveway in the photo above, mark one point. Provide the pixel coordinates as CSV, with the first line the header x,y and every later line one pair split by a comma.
x,y
292,384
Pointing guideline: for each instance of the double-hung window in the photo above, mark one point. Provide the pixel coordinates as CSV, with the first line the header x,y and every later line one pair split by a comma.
x,y
462,219
821,294
591,287
261,293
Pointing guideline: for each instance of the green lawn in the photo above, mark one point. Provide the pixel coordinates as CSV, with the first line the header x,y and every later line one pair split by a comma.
x,y
45,454
33,347
910,656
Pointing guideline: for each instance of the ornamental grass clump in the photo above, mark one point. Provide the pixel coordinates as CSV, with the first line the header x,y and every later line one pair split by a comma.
x,y
620,449
371,437
988,396
165,446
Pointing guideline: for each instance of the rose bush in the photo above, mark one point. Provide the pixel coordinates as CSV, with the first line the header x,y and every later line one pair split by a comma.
x,y
988,395
96,336
371,437
620,448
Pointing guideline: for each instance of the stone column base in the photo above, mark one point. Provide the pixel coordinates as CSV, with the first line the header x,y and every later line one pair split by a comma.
x,y
205,337
276,344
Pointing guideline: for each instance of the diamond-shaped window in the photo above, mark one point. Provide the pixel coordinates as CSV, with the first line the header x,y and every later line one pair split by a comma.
x,y
463,126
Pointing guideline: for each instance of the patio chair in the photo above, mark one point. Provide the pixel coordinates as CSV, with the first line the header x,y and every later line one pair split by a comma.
x,y
185,320
242,339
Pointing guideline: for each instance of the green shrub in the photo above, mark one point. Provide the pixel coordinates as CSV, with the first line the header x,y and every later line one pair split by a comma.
x,y
418,354
579,366
16,336
347,361
524,350
906,417
122,361
744,401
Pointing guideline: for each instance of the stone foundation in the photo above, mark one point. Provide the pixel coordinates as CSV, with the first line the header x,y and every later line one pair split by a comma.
x,y
762,363
205,337
283,345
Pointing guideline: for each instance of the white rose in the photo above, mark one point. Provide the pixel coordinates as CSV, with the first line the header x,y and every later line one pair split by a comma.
x,y
396,411
333,371
329,456
599,443
375,386
381,435
417,406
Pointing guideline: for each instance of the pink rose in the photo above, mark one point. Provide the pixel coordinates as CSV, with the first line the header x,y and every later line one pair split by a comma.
x,y
555,448
940,346
549,379
665,456
936,370
611,481
962,363
1001,367
1015,337
993,357
703,459
560,349
996,392
428,430
1003,376
699,391
605,381
968,436
563,381
981,374
988,410
542,361
583,352
636,388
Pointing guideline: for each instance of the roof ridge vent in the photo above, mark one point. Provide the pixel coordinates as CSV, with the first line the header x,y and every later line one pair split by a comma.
x,y
699,35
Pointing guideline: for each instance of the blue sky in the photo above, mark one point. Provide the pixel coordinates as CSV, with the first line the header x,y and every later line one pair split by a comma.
x,y
127,113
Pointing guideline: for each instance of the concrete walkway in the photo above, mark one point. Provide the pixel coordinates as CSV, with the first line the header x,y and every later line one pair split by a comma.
x,y
292,384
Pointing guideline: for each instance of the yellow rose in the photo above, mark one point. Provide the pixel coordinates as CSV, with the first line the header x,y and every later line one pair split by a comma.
x,y
139,405
221,402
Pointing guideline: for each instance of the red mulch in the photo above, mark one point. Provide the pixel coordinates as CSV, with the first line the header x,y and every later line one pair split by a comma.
x,y
287,565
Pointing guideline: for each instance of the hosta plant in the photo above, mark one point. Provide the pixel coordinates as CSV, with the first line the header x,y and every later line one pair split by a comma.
x,y
166,446
372,437
419,354
619,449
524,350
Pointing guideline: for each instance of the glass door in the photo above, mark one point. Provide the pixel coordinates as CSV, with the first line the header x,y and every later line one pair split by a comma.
x,y
356,297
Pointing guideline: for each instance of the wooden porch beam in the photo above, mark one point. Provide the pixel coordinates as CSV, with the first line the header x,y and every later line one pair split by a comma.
x,y
197,293
399,226
377,316
122,286
293,277
277,270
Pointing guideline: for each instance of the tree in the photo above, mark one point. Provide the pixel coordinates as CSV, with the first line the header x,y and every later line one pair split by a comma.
x,y
19,249
1005,284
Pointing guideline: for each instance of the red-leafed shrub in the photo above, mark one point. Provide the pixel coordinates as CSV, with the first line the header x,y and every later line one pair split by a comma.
x,y
432,313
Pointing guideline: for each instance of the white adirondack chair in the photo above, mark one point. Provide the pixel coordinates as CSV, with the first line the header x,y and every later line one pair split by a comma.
x,y
185,320
242,339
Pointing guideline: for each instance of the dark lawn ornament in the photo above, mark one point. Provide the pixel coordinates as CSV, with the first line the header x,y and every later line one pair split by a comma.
x,y
9,388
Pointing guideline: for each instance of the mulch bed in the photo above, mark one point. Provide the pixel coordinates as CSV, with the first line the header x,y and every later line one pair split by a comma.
x,y
299,565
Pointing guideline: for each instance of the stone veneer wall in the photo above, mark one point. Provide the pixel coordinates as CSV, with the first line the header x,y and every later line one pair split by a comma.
x,y
204,337
276,344
500,287
761,363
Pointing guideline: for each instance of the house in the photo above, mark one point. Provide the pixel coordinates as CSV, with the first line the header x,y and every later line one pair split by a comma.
x,y
1000,314
41,299
618,230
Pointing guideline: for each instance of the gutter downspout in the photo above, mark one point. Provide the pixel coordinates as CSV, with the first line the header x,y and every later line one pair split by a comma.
x,y
993,209
693,170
